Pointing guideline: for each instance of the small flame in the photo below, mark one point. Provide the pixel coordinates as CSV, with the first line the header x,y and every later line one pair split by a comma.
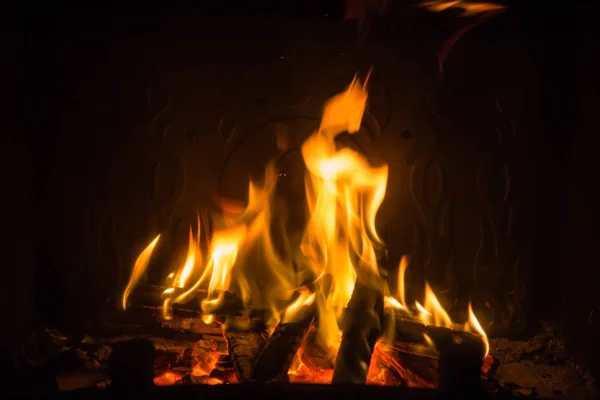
x,y
294,310
477,326
433,305
467,8
428,340
401,272
392,302
208,318
138,269
431,312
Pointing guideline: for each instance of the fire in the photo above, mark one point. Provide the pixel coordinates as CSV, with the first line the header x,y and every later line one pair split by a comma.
x,y
138,269
467,8
344,194
432,312
339,245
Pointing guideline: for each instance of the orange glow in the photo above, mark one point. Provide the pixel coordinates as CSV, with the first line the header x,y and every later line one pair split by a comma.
x,y
432,312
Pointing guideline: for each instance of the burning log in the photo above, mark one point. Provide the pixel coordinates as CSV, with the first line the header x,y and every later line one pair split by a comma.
x,y
275,360
153,295
244,344
362,329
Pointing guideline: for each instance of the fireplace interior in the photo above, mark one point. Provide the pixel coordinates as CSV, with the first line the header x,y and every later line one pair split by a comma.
x,y
303,198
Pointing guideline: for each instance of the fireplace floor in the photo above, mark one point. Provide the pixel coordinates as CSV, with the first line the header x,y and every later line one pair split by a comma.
x,y
79,366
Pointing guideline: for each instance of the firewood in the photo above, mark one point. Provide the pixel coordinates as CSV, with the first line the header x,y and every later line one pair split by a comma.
x,y
460,356
314,355
131,366
275,360
414,349
362,329
152,296
244,345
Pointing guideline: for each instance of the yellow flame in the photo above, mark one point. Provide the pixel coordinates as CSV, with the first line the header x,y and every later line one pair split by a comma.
x,y
477,326
433,305
138,269
294,310
344,194
392,302
401,272
429,341
208,318
189,264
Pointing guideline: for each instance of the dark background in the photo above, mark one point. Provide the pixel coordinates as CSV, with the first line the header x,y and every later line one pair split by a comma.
x,y
74,80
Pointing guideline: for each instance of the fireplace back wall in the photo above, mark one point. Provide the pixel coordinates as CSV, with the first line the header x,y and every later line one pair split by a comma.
x,y
140,119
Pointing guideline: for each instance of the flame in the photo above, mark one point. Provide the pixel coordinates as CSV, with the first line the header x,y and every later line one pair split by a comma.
x,y
190,261
138,269
344,194
467,8
431,312
168,378
339,245
305,299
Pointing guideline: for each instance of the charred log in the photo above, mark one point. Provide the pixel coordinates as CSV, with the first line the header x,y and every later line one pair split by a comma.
x,y
244,345
362,329
461,359
275,360
315,355
132,366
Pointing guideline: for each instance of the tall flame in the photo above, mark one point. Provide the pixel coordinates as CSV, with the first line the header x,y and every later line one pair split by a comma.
x,y
138,269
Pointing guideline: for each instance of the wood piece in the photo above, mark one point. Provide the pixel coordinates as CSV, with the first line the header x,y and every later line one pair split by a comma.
x,y
460,356
153,296
244,346
275,360
362,329
414,349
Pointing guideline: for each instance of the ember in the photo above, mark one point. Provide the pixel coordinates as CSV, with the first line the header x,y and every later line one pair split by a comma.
x,y
322,312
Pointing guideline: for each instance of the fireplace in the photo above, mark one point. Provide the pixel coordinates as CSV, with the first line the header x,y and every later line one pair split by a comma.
x,y
302,197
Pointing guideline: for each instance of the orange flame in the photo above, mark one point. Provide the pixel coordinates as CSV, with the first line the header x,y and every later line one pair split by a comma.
x,y
467,8
340,241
